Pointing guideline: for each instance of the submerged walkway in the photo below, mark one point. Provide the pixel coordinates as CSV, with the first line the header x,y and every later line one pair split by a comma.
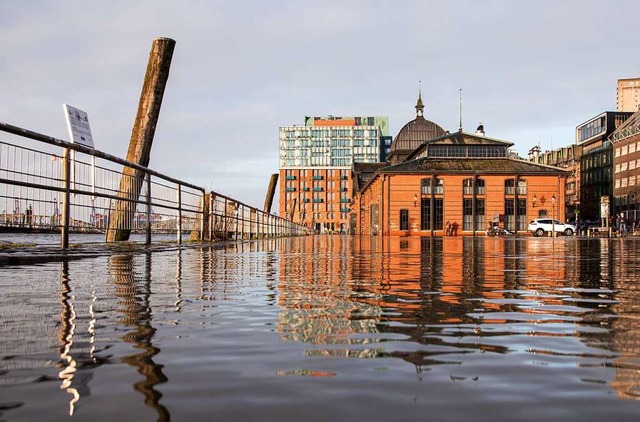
x,y
24,254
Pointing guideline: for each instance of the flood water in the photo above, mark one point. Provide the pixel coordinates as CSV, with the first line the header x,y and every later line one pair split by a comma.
x,y
328,328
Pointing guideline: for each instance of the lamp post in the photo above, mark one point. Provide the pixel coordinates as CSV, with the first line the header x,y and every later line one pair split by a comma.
x,y
553,216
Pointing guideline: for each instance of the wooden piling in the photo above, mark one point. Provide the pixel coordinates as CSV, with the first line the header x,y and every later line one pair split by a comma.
x,y
141,138
270,192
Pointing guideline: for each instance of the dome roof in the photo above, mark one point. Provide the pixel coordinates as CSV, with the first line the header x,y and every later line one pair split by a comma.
x,y
417,131
414,133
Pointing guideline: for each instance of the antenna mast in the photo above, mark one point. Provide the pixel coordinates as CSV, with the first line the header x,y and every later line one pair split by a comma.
x,y
460,113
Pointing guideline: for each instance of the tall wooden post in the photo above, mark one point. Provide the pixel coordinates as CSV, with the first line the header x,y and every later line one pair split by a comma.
x,y
144,129
270,192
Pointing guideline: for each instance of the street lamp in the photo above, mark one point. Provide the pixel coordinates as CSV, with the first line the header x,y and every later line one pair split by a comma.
x,y
553,215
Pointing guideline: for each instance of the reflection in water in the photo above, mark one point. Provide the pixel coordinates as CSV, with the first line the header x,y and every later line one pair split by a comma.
x,y
447,299
134,293
495,329
73,382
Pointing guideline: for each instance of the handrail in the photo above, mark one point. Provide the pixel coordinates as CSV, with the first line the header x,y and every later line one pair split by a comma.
x,y
32,177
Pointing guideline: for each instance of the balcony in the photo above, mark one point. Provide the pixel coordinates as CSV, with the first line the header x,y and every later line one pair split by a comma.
x,y
290,178
290,189
317,200
317,177
317,189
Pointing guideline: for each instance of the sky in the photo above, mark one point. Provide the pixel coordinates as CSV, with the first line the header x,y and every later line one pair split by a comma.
x,y
530,72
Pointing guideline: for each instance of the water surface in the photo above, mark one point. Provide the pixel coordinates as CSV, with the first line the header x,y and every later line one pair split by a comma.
x,y
328,328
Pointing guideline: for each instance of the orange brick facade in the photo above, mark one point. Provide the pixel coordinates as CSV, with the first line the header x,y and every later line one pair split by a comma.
x,y
317,198
378,207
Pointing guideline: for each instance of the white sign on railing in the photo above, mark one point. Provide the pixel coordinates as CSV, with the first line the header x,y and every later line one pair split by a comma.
x,y
80,133
78,125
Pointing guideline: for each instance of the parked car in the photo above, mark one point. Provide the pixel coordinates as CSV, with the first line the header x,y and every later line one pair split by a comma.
x,y
541,226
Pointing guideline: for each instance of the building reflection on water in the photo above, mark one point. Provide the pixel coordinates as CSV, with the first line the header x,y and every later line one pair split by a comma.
x,y
425,301
453,297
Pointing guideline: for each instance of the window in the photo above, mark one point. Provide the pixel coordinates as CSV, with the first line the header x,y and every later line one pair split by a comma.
x,y
425,186
467,214
522,186
425,214
522,214
509,186
467,186
404,219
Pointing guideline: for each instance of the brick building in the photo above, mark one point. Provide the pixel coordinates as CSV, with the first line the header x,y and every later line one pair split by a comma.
x,y
465,179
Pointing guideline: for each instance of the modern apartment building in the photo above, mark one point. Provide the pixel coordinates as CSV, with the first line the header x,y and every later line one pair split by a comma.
x,y
626,164
596,162
628,94
315,167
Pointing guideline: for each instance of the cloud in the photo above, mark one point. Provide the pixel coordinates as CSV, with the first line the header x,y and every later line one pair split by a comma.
x,y
530,71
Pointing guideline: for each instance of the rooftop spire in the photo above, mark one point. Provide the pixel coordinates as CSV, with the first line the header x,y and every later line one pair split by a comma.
x,y
419,104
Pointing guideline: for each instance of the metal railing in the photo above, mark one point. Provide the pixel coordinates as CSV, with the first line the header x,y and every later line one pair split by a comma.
x,y
51,185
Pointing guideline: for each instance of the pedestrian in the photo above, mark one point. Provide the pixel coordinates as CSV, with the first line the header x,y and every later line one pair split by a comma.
x,y
30,216
622,225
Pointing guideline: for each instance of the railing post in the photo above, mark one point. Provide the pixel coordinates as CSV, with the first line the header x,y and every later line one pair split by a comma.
x,y
203,202
179,215
211,216
66,199
237,221
148,179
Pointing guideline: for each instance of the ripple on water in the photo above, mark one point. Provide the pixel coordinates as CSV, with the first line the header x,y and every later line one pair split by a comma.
x,y
327,328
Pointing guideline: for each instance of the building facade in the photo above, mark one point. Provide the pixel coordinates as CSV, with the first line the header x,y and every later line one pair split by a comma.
x,y
626,163
315,167
567,158
458,184
596,162
628,94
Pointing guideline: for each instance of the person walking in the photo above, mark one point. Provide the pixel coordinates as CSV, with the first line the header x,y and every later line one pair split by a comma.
x,y
30,216
622,225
